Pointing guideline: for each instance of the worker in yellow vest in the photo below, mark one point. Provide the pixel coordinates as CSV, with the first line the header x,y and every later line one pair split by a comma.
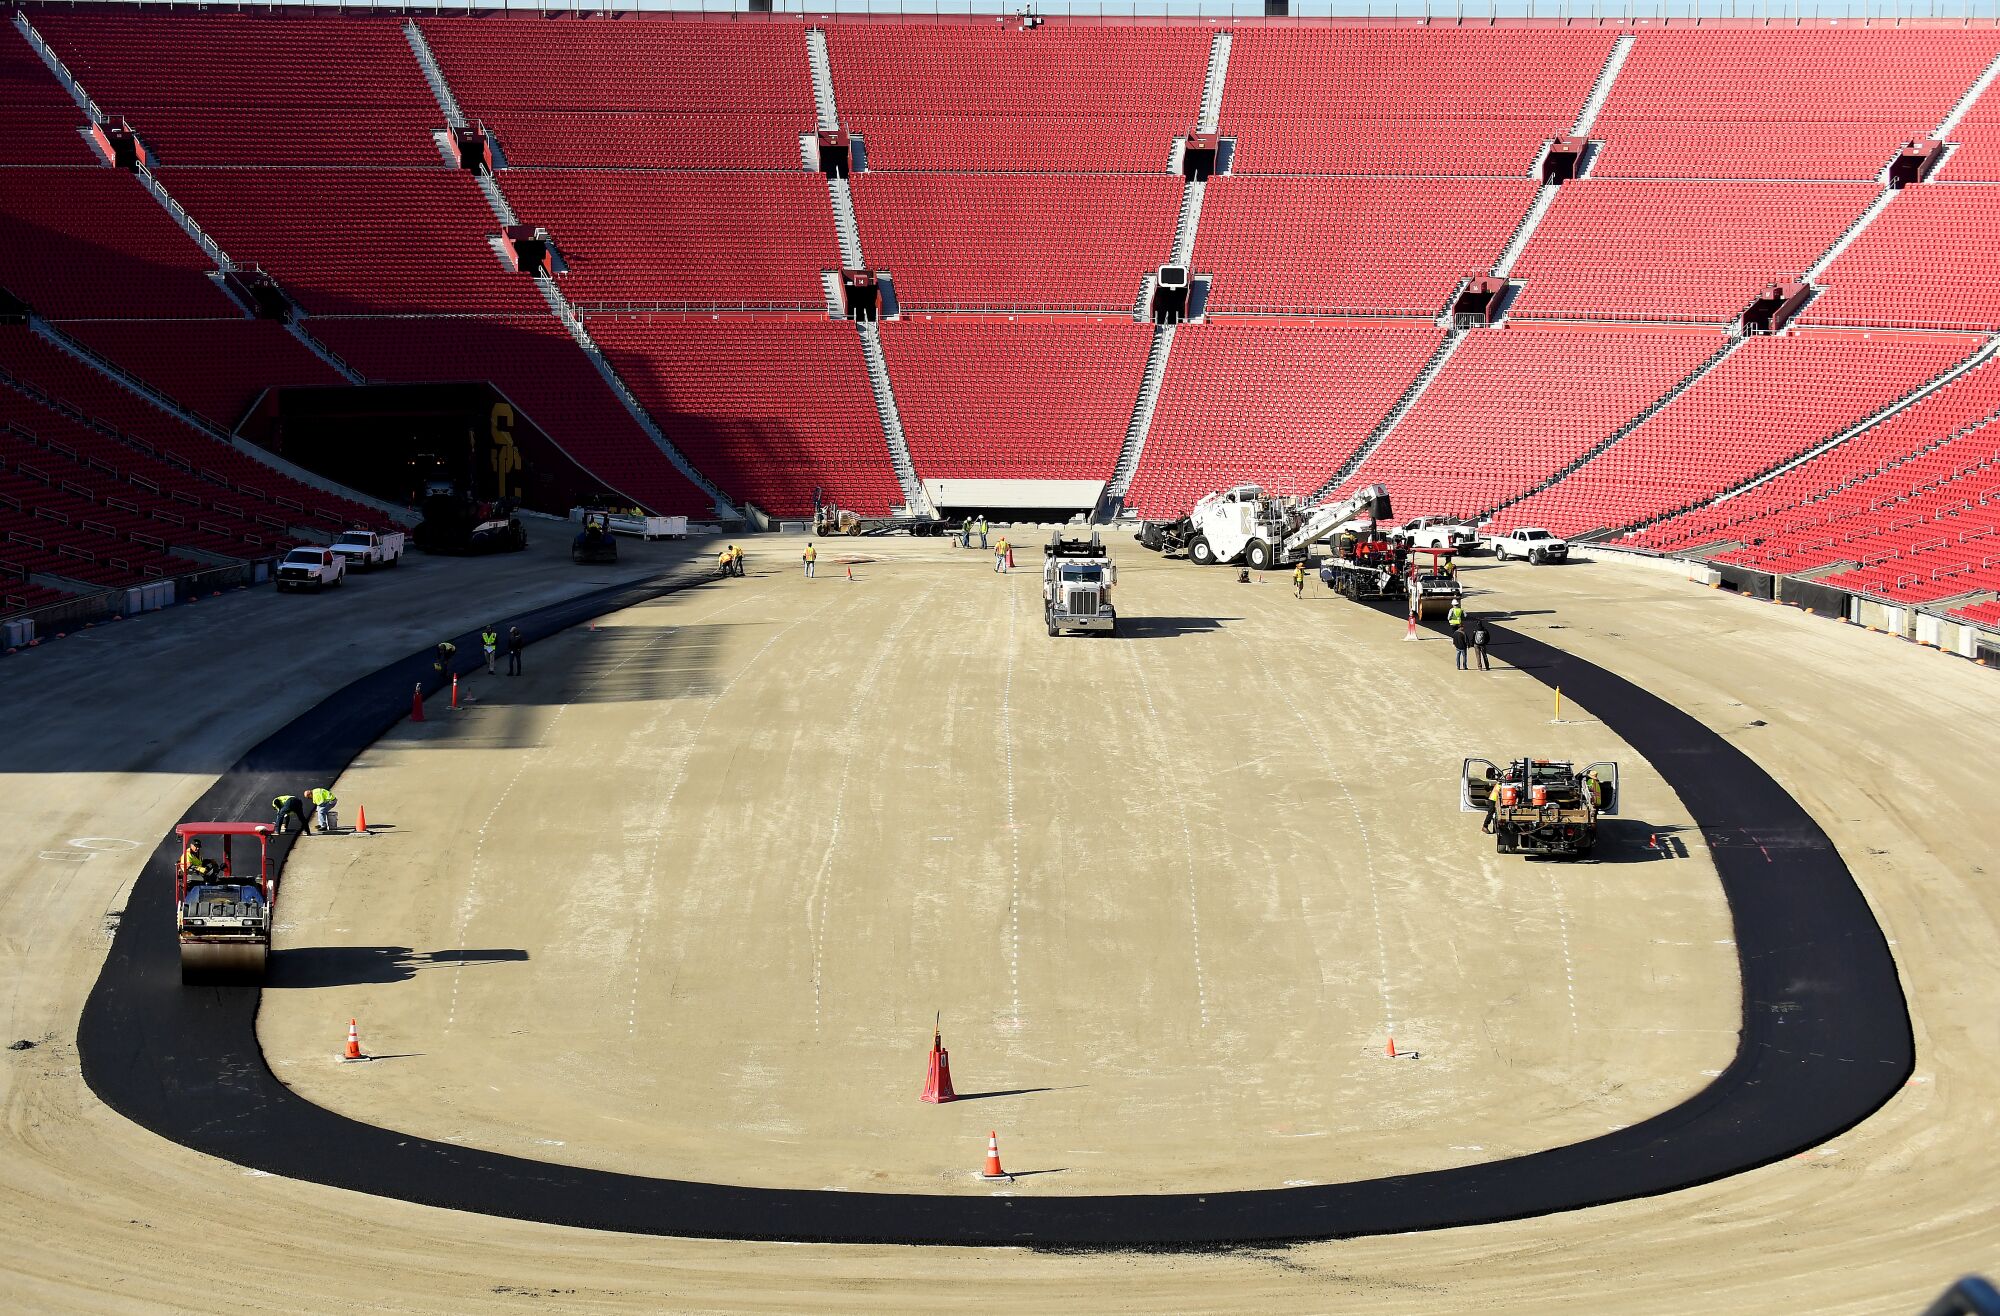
x,y
811,555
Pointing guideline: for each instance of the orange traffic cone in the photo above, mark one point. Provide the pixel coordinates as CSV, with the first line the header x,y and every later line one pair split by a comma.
x,y
850,574
1411,633
353,1043
937,1074
417,704
993,1170
361,821
1392,1048
454,691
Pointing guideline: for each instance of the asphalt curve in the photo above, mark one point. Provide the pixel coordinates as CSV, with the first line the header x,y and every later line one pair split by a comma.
x,y
1825,1040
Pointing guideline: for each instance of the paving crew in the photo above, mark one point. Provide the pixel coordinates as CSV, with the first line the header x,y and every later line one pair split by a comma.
x,y
1299,581
515,643
322,802
283,809
735,560
1000,551
722,562
1456,617
442,663
489,640
811,555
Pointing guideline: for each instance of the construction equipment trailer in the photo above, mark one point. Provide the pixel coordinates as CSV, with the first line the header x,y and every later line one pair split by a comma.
x,y
1540,806
1077,576
222,915
1244,525
829,520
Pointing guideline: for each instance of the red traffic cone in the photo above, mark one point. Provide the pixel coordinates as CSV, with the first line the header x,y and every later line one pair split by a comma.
x,y
454,691
417,704
1411,633
850,574
937,1074
361,821
993,1170
353,1051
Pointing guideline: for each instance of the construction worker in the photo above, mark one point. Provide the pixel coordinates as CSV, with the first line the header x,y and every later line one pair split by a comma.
x,y
811,555
322,802
735,559
514,646
982,531
442,663
1456,617
1448,568
197,868
722,562
1595,788
1299,581
999,554
283,809
489,640
1460,642
1481,637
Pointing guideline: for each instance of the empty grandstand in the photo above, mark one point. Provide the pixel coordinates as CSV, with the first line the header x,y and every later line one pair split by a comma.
x,y
1595,275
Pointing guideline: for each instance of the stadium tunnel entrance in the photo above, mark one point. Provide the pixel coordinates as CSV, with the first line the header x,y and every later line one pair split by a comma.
x,y
395,440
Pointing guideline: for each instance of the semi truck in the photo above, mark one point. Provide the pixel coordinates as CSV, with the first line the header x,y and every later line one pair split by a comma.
x,y
222,906
1077,576
1540,806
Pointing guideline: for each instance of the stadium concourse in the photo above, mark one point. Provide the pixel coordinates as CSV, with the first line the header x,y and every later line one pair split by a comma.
x,y
762,808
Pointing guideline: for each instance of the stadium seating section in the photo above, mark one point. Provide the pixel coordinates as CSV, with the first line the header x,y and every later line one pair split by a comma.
x,y
1433,101
1043,399
1019,187
1278,404
1060,98
1813,102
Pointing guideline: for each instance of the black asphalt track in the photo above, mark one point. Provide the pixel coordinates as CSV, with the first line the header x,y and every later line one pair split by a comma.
x,y
1825,1039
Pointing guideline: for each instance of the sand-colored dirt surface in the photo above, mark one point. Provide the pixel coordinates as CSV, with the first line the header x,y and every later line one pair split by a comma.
x,y
1886,743
683,901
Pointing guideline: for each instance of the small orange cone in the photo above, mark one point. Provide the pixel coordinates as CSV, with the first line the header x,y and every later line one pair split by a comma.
x,y
417,704
993,1170
361,821
454,691
1411,633
1392,1048
850,573
353,1051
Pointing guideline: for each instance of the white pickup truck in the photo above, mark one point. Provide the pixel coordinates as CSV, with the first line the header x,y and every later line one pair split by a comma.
x,y
311,567
1438,532
1529,541
364,550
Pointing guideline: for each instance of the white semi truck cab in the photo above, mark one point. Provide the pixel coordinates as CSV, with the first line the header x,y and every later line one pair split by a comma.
x,y
1077,576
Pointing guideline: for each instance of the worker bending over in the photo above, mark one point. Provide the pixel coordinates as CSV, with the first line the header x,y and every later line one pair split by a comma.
x,y
322,802
284,808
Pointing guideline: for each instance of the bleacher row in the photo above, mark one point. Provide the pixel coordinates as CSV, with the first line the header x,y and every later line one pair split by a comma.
x,y
1018,189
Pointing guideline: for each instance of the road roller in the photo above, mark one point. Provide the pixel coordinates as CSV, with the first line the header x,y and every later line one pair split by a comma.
x,y
222,906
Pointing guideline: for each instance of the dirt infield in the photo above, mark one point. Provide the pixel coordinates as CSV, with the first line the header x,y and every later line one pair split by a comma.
x,y
682,901
923,739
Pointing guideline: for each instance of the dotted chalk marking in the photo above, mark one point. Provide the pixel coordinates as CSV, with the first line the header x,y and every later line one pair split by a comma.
x,y
469,905
819,895
1013,831
1161,755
